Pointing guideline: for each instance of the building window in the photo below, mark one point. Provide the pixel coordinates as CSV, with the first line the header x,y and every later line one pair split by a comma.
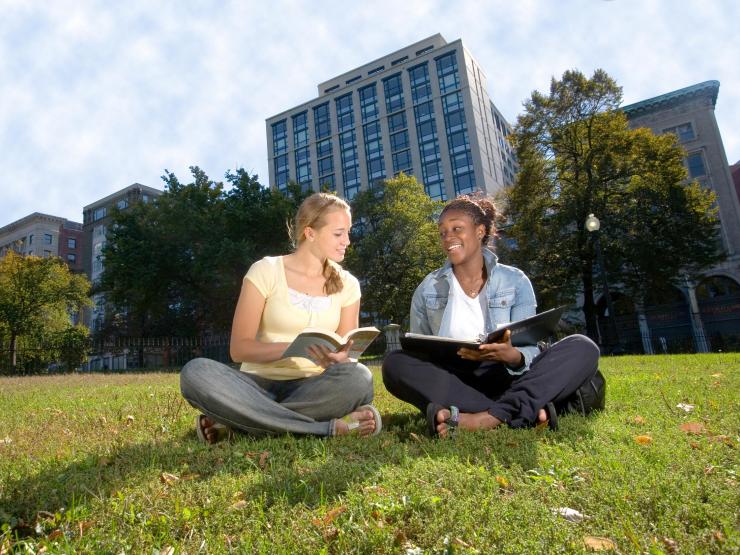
x,y
447,74
368,103
328,182
684,132
424,50
345,115
424,112
280,137
393,89
323,148
421,88
326,165
48,239
303,165
399,141
99,213
695,162
72,258
300,129
30,239
399,60
47,254
350,165
397,121
353,80
376,70
401,161
322,121
71,243
464,183
281,172
122,204
145,198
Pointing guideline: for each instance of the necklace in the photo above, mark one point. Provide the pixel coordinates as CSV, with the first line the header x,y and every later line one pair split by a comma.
x,y
473,288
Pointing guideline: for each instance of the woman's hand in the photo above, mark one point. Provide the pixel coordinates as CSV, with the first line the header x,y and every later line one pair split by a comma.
x,y
325,358
501,351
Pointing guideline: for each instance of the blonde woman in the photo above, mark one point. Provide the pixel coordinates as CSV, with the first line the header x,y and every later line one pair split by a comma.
x,y
281,296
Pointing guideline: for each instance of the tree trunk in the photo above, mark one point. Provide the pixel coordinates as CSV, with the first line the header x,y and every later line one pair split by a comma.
x,y
13,351
589,308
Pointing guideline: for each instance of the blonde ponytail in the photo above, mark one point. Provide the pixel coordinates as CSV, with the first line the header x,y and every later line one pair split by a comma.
x,y
312,213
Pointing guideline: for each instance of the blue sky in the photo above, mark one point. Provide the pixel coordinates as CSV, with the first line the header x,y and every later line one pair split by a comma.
x,y
95,96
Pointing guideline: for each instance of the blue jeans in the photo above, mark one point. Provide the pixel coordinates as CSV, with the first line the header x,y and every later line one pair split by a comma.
x,y
259,406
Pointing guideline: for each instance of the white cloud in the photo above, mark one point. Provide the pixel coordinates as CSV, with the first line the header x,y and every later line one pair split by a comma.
x,y
97,95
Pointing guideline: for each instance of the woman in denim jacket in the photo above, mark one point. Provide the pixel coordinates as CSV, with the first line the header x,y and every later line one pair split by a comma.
x,y
472,293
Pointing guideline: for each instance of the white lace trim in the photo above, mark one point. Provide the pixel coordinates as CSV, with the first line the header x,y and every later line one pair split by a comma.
x,y
307,302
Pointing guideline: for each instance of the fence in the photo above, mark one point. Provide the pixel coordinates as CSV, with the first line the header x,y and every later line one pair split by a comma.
x,y
126,353
134,353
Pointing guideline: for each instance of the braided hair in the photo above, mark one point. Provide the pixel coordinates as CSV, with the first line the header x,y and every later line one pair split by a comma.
x,y
480,209
312,213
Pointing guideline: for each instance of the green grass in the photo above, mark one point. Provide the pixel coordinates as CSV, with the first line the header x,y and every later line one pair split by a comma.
x,y
110,464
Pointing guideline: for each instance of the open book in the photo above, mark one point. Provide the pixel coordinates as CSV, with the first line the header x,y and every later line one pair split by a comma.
x,y
523,332
361,339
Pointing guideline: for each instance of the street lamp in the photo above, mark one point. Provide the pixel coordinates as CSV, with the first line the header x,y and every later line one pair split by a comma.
x,y
592,226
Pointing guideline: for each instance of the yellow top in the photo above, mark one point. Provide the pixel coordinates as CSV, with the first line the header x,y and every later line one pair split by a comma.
x,y
282,320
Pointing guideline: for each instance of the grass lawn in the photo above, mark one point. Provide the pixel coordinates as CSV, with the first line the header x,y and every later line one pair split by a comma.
x,y
96,463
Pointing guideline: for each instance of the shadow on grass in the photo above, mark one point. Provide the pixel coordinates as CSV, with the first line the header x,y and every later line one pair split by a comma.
x,y
296,469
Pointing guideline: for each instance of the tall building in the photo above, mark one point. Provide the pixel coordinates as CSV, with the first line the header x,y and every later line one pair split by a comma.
x,y
97,217
44,236
423,110
709,308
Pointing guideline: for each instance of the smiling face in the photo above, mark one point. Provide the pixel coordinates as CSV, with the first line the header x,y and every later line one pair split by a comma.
x,y
460,237
332,238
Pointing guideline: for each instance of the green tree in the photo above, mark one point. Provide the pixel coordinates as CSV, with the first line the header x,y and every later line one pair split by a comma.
x,y
578,156
395,243
36,297
175,266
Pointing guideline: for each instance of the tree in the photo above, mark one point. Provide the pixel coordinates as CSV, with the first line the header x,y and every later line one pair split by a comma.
x,y
175,266
578,156
395,243
36,296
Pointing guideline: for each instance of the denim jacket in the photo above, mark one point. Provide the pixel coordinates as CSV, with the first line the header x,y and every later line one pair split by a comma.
x,y
509,297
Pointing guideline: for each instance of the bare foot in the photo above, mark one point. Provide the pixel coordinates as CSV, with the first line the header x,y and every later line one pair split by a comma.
x,y
361,422
467,421
211,430
542,416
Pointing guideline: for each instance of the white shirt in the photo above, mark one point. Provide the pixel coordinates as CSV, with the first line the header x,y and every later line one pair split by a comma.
x,y
463,316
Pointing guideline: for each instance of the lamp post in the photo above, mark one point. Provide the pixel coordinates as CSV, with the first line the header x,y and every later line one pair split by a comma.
x,y
592,226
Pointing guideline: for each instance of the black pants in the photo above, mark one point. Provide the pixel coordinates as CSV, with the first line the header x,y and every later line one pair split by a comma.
x,y
553,376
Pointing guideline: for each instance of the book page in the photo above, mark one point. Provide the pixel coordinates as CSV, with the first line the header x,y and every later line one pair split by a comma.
x,y
361,338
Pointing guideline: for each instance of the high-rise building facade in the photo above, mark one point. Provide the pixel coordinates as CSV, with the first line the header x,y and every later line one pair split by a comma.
x,y
97,217
423,110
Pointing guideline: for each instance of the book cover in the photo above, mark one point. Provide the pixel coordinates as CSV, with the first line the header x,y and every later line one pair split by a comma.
x,y
361,340
523,332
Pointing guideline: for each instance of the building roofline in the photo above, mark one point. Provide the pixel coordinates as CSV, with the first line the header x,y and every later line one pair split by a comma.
x,y
35,216
436,40
106,200
707,88
363,72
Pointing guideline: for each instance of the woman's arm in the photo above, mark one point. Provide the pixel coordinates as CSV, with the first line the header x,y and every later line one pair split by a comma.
x,y
349,318
247,318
